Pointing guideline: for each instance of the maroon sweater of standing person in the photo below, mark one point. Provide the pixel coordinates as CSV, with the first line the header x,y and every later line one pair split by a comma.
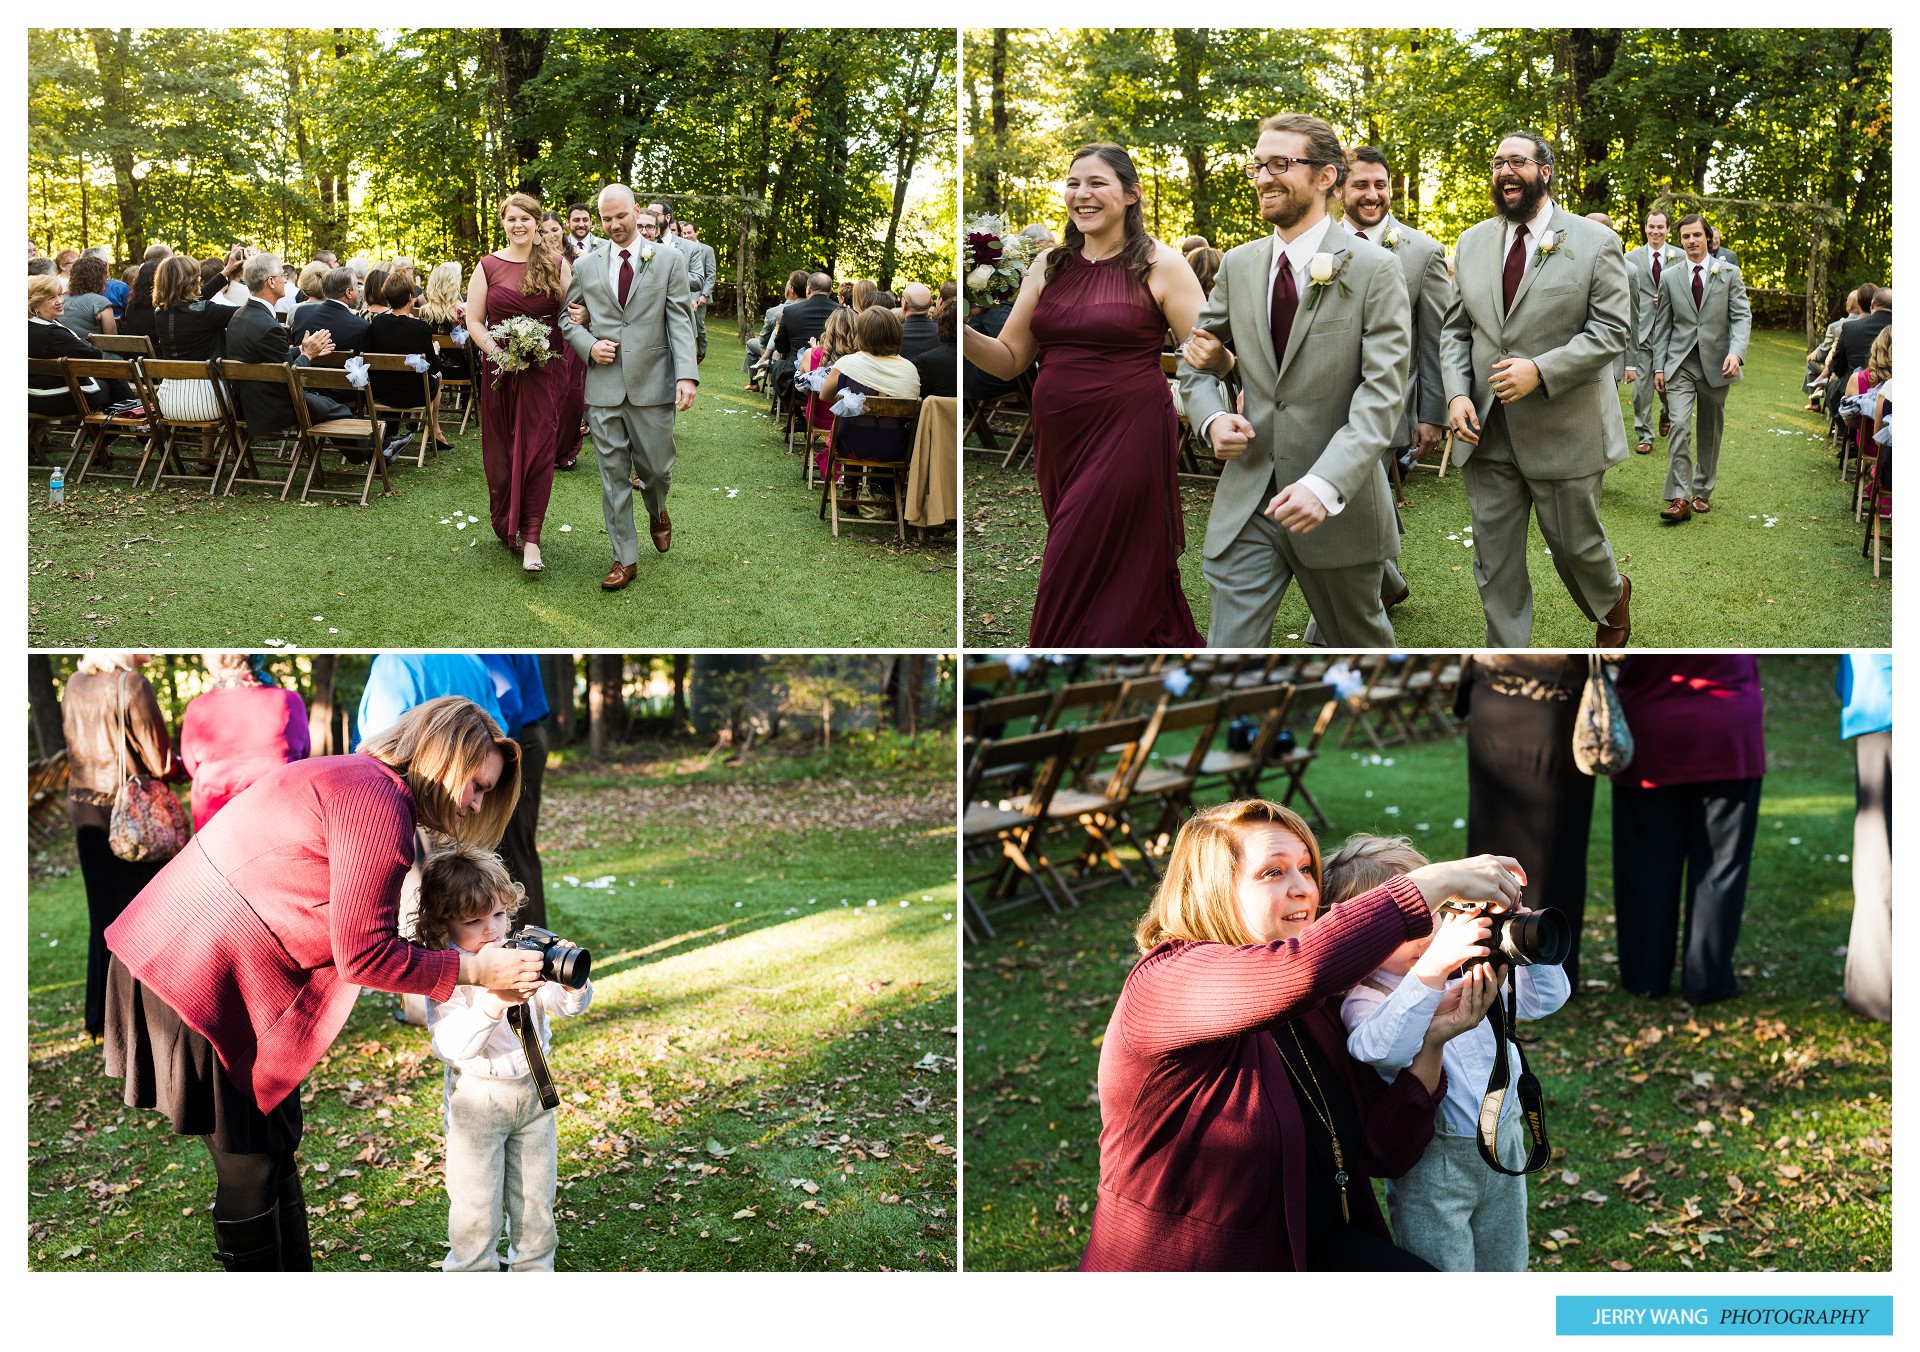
x,y
1202,1144
260,933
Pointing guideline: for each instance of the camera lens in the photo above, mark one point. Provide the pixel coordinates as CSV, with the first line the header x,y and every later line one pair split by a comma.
x,y
1529,938
569,965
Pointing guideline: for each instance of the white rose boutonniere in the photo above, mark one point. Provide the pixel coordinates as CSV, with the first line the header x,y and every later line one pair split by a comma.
x,y
646,256
1713,268
1324,270
1391,240
1555,242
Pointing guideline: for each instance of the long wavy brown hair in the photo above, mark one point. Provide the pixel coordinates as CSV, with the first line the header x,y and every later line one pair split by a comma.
x,y
542,277
1138,246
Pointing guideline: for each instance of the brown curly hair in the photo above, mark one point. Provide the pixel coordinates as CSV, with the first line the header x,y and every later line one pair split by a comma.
x,y
461,882
542,277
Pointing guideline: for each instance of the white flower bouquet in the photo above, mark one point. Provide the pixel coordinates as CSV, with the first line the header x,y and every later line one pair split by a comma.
x,y
997,259
520,344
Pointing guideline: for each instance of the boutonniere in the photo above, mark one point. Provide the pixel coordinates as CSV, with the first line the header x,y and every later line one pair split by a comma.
x,y
646,256
1391,240
1713,269
1554,243
1323,271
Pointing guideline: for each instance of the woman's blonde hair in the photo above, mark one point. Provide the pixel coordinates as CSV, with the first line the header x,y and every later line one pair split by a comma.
x,y
312,277
42,288
1366,862
461,882
864,291
176,282
443,293
227,664
100,661
1197,897
542,277
439,747
837,337
1880,358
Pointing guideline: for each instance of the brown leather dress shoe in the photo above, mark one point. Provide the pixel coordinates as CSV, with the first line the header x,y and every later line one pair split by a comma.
x,y
1612,631
1702,506
1666,426
1644,448
662,531
619,575
1676,511
1389,602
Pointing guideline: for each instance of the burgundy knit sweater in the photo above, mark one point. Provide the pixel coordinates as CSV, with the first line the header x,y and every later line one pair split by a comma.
x,y
261,932
1202,1144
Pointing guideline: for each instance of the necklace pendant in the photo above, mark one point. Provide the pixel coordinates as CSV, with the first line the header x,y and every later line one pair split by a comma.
x,y
1340,1177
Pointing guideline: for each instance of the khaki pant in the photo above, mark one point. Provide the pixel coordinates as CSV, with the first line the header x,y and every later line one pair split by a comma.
x,y
503,1157
1458,1214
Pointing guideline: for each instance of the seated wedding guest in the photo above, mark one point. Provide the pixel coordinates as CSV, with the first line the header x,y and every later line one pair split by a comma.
x,y
834,343
189,325
402,330
949,291
800,323
1236,1132
939,365
255,334
42,267
757,347
846,293
1192,242
864,290
334,313
306,284
874,367
114,729
370,293
917,327
886,301
234,291
240,729
88,311
979,385
48,337
119,288
443,306
64,260
1205,263
139,315
1039,235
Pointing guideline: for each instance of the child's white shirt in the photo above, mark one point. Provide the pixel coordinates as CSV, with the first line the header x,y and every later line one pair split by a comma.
x,y
472,1042
1385,1031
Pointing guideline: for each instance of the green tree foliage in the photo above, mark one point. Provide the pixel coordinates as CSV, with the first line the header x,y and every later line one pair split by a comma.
x,y
790,148
1786,133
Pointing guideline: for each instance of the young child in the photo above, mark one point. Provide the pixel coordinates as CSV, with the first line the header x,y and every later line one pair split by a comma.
x,y
502,1149
1450,1208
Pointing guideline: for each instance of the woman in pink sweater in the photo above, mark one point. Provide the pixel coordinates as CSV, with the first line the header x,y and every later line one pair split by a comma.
x,y
240,729
237,966
1235,1132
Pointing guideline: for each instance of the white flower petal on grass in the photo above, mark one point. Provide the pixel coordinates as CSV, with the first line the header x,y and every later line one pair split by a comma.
x,y
1369,793
738,904
1391,811
446,521
332,630
461,526
565,529
319,619
1842,858
1459,823
1793,840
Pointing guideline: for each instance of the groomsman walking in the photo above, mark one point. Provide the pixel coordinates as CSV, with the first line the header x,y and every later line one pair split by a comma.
x,y
1699,343
1645,267
1528,356
1325,334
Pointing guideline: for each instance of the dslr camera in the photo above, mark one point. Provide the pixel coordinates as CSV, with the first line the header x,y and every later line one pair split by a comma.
x,y
1520,937
567,964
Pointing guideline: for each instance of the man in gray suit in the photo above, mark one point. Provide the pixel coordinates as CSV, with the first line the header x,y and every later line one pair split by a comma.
x,y
628,315
1699,344
1645,267
1536,423
1325,335
580,226
700,269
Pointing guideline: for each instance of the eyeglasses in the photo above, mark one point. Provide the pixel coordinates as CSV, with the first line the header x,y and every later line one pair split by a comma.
x,y
1276,167
1511,162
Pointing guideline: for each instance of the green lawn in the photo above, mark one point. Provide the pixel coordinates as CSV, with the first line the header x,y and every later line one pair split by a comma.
x,y
751,564
1777,563
765,1079
1753,1134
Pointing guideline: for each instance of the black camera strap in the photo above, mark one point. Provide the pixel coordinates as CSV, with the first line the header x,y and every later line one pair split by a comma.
x,y
1533,1108
522,1024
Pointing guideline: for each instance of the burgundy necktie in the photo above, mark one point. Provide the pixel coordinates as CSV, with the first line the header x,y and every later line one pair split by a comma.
x,y
1656,271
626,277
1698,290
1362,235
1286,299
1516,266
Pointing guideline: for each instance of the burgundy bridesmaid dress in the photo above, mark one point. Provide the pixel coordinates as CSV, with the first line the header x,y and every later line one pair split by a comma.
x,y
520,417
1107,456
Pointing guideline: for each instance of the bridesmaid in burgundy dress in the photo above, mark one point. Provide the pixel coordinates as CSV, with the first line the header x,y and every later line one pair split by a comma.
x,y
573,405
1106,436
518,423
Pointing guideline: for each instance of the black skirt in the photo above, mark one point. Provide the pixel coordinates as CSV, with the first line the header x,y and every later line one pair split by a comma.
x,y
165,1064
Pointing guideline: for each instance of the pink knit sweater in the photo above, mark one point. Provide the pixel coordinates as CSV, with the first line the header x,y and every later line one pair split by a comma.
x,y
261,932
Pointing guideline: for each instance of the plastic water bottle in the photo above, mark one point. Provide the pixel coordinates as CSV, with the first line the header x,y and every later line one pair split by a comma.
x,y
57,486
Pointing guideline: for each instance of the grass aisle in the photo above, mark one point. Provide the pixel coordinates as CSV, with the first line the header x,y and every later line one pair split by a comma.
x,y
1776,564
1752,1134
751,564
765,1079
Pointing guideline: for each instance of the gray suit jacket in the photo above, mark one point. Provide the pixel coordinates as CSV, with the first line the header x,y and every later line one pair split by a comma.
x,y
1640,287
654,330
1570,316
1331,407
700,269
1423,263
1720,326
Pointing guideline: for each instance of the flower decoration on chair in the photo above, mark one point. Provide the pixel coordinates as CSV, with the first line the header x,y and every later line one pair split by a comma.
x,y
356,369
997,259
416,362
850,404
520,344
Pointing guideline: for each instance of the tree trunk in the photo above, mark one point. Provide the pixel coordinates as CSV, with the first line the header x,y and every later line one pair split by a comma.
x,y
556,675
320,708
522,52
49,734
681,662
111,47
605,706
910,682
997,79
1190,45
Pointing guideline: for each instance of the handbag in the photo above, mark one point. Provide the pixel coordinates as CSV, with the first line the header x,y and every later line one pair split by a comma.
x,y
1602,742
148,824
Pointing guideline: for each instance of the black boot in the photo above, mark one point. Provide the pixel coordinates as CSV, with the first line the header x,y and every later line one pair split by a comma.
x,y
296,1249
251,1245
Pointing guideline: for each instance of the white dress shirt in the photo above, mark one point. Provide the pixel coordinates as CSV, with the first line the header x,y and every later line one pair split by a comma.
x,y
475,1043
1536,229
640,242
1385,1031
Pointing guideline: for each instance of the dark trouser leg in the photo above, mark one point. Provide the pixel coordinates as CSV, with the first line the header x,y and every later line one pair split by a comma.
x,y
112,883
1649,853
1721,818
296,1246
518,848
246,1209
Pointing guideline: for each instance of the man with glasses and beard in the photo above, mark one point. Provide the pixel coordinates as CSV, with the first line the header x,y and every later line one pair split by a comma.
x,y
1528,357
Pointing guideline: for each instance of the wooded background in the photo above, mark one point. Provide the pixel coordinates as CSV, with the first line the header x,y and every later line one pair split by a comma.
x,y
789,148
1791,130
601,702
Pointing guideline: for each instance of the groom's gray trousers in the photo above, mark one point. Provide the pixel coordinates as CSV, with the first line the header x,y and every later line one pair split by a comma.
x,y
635,442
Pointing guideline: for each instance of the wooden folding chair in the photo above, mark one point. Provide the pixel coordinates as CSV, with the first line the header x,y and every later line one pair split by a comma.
x,y
318,437
1297,760
462,387
1171,785
1241,771
987,675
158,372
280,376
1098,811
102,426
69,422
1377,710
1430,691
1014,833
1085,702
414,416
1016,403
842,470
123,344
